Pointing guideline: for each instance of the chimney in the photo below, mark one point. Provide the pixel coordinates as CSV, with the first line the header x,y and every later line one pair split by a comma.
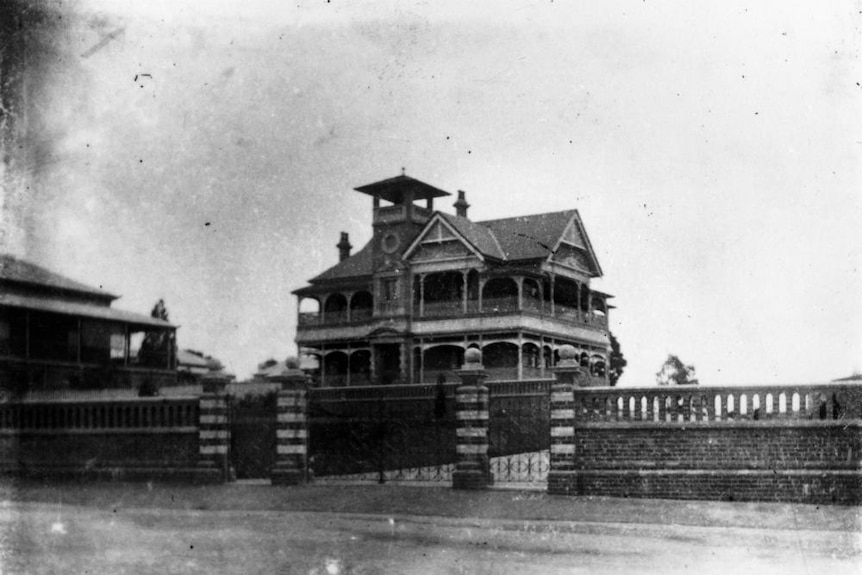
x,y
344,247
461,205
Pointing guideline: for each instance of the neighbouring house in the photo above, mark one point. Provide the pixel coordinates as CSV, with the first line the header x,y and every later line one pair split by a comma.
x,y
192,365
430,284
59,334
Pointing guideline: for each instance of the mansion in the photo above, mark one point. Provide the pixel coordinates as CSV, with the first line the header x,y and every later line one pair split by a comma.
x,y
429,285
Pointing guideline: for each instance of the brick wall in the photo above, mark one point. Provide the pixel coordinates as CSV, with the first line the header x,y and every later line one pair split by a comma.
x,y
800,443
144,438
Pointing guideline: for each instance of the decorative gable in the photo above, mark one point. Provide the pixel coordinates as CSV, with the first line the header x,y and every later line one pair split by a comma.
x,y
574,250
574,236
572,257
439,241
437,233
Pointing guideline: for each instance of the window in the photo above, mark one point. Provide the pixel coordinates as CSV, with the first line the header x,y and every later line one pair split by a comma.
x,y
390,289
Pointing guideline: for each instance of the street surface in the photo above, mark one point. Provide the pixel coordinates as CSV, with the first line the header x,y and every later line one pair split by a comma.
x,y
261,529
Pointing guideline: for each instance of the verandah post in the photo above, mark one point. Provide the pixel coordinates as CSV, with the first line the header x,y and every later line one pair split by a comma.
x,y
291,426
472,467
562,476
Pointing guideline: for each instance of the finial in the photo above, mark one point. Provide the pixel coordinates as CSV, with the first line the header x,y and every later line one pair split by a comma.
x,y
402,170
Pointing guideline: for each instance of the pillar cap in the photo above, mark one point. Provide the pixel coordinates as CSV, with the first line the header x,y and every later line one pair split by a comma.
x,y
472,361
291,374
215,381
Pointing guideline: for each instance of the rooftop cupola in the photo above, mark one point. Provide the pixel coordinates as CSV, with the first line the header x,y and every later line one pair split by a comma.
x,y
461,204
401,192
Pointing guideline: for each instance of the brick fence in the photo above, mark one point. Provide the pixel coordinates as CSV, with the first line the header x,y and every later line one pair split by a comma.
x,y
783,443
177,438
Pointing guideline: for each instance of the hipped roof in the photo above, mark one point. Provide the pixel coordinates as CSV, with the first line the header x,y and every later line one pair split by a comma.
x,y
20,271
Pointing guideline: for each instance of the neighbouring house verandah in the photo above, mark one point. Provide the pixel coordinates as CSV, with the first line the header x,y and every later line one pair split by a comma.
x,y
57,334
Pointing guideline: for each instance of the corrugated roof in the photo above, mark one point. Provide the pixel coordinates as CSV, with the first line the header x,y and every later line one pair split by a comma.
x,y
359,264
15,270
529,237
56,305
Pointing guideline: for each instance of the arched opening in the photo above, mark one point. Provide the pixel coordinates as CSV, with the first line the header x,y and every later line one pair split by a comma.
x,y
585,360
309,311
500,295
360,367
441,360
443,293
501,360
335,369
335,308
566,298
532,295
597,367
531,360
361,306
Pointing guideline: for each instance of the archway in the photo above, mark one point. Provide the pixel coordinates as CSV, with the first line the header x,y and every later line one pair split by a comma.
x,y
500,295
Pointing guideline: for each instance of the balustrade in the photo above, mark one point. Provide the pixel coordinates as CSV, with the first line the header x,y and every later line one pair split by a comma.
x,y
719,404
142,413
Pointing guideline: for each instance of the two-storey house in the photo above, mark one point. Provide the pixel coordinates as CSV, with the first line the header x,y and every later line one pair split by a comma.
x,y
429,285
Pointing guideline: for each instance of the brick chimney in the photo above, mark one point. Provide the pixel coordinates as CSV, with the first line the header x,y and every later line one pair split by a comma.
x,y
461,205
344,247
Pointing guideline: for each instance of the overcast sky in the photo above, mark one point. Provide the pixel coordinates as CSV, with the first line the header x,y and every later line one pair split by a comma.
x,y
205,153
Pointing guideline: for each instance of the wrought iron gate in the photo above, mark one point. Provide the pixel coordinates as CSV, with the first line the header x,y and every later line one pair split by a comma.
x,y
519,433
252,435
380,434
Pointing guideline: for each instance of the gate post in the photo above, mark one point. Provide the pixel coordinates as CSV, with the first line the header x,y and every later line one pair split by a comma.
x,y
213,429
472,467
562,477
291,426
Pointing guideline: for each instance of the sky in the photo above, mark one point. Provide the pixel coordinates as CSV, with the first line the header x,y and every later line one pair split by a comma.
x,y
206,153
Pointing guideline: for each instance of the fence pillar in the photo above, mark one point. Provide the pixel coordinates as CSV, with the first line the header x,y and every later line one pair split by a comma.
x,y
472,467
291,426
213,429
562,476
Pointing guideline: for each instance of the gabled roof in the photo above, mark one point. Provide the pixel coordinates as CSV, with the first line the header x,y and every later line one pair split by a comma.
x,y
19,271
480,236
357,265
530,237
520,238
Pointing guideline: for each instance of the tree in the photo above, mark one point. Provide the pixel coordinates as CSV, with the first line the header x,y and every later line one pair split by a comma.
x,y
675,372
616,363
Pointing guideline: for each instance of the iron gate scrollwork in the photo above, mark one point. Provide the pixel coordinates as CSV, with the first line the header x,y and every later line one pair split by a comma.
x,y
519,432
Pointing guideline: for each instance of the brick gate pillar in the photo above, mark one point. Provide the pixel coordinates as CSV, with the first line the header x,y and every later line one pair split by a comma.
x,y
472,468
213,429
291,426
562,477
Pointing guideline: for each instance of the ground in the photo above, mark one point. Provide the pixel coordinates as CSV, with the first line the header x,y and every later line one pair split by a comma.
x,y
156,528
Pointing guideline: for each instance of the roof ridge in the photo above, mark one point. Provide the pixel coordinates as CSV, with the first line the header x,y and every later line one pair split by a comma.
x,y
484,222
